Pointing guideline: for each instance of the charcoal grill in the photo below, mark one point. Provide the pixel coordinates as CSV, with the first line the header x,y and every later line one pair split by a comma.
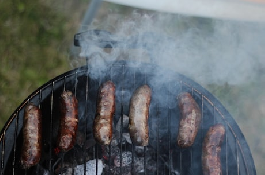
x,y
167,157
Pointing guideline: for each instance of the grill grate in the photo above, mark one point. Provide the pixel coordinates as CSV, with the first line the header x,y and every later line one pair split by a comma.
x,y
167,157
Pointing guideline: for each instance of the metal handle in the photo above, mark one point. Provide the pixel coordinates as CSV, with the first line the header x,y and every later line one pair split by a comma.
x,y
104,39
101,38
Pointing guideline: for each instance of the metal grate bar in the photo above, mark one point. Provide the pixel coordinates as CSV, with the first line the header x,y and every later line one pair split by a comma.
x,y
64,81
94,152
132,165
214,116
86,113
51,130
26,171
109,153
201,127
62,163
145,146
96,164
243,157
226,150
202,123
122,88
121,130
180,161
75,88
96,160
157,138
191,150
109,159
145,160
180,152
97,149
191,158
40,98
237,158
40,107
15,143
169,140
3,153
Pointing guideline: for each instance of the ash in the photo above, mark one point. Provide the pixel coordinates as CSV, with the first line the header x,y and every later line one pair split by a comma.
x,y
90,168
121,157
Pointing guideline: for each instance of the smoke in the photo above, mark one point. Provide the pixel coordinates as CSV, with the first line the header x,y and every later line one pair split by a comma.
x,y
207,50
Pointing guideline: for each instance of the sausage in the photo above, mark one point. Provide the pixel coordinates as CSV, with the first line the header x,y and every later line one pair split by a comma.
x,y
211,150
32,136
68,121
102,127
138,115
190,119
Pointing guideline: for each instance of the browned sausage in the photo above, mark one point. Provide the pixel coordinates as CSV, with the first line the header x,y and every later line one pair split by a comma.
x,y
32,136
68,121
138,115
211,150
190,119
102,128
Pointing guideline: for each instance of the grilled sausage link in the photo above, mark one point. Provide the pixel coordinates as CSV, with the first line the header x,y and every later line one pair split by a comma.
x,y
32,136
138,116
102,128
211,150
190,119
68,121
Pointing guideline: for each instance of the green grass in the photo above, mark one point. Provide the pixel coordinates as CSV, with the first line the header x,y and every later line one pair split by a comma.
x,y
30,35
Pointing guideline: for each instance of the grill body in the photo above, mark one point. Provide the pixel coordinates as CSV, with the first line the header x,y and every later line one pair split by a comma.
x,y
168,158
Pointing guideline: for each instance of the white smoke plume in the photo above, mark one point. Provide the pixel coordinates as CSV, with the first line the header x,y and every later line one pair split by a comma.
x,y
207,50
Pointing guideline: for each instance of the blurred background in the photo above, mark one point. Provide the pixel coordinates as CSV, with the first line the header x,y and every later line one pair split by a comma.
x,y
36,45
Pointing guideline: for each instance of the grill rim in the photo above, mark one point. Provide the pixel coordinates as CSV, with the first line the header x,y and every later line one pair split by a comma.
x,y
229,120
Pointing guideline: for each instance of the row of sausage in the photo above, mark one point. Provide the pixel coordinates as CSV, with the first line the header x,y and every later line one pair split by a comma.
x,y
190,119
